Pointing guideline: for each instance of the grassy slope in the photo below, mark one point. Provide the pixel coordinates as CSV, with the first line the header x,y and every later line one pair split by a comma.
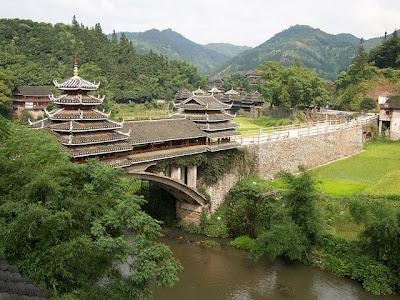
x,y
252,126
375,171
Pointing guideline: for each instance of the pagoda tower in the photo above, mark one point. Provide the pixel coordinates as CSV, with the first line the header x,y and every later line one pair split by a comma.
x,y
83,129
210,115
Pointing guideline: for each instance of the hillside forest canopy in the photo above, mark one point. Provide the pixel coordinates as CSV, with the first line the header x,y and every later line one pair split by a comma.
x,y
33,53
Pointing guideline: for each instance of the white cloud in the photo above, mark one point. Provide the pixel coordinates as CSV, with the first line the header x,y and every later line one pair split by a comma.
x,y
237,21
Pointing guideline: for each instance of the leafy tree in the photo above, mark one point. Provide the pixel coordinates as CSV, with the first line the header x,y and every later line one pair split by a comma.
x,y
387,55
301,198
36,53
282,240
381,235
292,86
65,225
236,81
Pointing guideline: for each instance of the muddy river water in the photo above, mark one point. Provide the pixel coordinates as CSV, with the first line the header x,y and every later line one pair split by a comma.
x,y
223,272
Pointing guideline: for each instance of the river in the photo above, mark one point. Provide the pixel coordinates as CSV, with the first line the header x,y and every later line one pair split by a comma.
x,y
223,272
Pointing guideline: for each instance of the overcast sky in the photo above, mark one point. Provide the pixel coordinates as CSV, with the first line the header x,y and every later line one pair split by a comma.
x,y
242,22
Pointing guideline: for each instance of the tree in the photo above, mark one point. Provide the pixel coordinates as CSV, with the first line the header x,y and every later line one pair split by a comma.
x,y
74,21
46,52
292,86
64,224
381,234
300,198
387,55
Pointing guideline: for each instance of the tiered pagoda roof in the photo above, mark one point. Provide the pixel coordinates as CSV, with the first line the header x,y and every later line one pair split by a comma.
x,y
253,98
247,101
76,83
79,126
210,115
199,92
182,95
232,92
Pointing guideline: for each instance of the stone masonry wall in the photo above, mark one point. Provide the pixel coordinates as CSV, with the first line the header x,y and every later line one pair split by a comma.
x,y
311,151
287,155
219,190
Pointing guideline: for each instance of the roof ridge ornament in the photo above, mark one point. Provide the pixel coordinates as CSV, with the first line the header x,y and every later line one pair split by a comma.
x,y
76,69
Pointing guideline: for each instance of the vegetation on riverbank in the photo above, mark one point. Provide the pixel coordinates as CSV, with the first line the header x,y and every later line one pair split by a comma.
x,y
64,224
353,235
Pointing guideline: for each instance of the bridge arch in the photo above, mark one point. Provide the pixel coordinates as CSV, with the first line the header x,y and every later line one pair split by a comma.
x,y
189,202
180,190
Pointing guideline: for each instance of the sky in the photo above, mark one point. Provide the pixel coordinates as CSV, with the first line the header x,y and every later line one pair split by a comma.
x,y
241,22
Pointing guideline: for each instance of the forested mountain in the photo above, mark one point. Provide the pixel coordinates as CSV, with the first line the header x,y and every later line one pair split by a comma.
x,y
327,54
34,53
175,46
370,75
227,49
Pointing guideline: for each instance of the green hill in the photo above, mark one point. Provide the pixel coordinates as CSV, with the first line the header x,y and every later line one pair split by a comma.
x,y
176,46
33,53
327,54
227,49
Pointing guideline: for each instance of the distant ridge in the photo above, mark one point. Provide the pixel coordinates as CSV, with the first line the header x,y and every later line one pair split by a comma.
x,y
227,49
327,54
176,46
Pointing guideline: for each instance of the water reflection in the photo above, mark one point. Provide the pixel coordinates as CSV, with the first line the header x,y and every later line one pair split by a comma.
x,y
226,273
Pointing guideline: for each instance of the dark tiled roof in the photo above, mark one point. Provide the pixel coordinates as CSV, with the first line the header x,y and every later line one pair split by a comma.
x,y
393,102
76,83
13,286
73,114
38,91
183,94
203,103
100,149
208,117
77,99
92,138
144,132
254,97
75,126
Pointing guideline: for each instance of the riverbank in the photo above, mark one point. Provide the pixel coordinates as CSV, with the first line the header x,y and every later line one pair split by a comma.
x,y
222,272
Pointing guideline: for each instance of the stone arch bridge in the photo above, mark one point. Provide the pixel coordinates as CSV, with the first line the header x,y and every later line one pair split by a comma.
x,y
179,182
283,150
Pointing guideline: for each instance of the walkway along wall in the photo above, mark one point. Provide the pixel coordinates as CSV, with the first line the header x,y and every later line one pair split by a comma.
x,y
288,154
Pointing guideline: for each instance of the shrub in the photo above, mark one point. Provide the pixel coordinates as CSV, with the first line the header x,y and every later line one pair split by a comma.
x,y
283,240
209,243
345,258
368,104
243,242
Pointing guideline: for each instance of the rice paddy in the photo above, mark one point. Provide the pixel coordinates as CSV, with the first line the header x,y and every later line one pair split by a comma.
x,y
376,171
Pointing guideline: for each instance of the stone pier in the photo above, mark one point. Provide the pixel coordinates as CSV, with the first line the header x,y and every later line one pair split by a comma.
x,y
192,176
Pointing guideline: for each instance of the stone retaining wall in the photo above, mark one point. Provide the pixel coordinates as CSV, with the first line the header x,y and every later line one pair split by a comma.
x,y
287,155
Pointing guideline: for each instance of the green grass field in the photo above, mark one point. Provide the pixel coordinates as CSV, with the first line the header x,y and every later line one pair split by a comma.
x,y
376,171
139,112
252,126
